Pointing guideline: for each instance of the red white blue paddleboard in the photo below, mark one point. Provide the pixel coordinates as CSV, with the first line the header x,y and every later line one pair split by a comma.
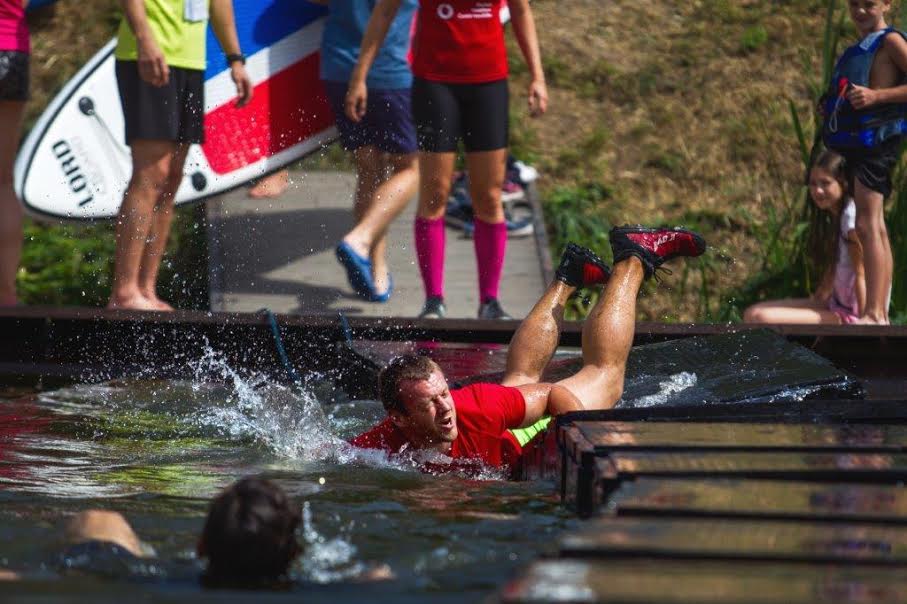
x,y
75,163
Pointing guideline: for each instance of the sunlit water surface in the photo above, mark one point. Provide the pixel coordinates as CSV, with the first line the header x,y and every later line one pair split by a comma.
x,y
158,451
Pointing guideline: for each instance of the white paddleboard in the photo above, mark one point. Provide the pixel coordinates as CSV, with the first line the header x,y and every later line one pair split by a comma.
x,y
75,163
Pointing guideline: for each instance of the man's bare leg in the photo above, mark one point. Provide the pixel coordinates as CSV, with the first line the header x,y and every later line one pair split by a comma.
x,y
162,218
607,339
150,169
536,339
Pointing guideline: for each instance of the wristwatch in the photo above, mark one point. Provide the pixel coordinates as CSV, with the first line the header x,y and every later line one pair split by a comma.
x,y
234,57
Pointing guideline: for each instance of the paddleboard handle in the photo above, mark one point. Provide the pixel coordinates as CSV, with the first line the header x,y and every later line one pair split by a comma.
x,y
86,105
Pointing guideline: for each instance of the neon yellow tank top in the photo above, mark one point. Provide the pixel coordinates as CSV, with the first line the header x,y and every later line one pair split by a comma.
x,y
182,41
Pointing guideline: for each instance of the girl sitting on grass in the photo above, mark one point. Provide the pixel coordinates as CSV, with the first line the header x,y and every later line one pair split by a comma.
x,y
841,295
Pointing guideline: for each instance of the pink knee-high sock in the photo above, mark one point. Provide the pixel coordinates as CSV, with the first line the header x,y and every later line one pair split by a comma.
x,y
429,236
491,244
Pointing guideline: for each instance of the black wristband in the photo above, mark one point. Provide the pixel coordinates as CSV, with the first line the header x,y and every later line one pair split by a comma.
x,y
233,57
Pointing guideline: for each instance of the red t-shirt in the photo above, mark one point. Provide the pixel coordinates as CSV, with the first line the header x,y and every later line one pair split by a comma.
x,y
485,413
460,41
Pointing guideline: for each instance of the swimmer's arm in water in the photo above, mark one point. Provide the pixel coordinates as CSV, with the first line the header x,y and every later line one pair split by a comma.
x,y
106,526
855,250
527,38
151,62
223,23
546,399
357,94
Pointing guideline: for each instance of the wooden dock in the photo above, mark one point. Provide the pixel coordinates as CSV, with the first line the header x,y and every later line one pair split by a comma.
x,y
279,254
801,501
794,494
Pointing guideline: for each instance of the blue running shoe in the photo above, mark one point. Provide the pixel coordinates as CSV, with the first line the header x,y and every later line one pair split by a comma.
x,y
358,270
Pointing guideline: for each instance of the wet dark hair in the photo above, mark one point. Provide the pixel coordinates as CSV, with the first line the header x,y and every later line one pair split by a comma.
x,y
406,367
825,227
249,536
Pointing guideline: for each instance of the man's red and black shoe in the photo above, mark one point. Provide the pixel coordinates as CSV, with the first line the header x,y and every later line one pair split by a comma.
x,y
654,246
581,267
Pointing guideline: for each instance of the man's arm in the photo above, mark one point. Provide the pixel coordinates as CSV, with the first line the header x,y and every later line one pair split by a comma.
x,y
861,97
547,399
357,94
224,25
527,38
151,62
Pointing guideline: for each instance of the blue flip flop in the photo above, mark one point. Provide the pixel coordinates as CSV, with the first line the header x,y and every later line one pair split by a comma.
x,y
358,270
384,297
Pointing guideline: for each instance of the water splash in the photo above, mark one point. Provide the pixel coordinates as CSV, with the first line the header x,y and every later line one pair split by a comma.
x,y
287,420
675,384
327,560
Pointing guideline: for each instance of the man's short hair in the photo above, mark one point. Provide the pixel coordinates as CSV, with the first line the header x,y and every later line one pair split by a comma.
x,y
249,536
406,367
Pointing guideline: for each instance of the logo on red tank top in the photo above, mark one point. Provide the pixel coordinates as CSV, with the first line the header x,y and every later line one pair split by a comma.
x,y
445,11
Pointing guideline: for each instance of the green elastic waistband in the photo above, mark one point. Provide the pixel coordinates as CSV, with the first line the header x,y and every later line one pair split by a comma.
x,y
524,435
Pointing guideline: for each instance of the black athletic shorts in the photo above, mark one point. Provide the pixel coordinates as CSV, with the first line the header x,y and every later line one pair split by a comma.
x,y
873,167
13,75
173,112
445,113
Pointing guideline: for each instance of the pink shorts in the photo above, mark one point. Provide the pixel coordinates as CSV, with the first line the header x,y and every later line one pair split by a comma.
x,y
845,314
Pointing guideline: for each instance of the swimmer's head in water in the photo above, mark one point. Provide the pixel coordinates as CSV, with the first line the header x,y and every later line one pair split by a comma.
x,y
403,368
415,393
249,536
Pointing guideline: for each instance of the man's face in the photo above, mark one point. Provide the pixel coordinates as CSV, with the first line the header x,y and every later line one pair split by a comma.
x,y
431,418
868,14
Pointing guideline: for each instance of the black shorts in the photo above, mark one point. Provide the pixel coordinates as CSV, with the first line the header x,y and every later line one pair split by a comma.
x,y
445,113
873,167
174,112
13,75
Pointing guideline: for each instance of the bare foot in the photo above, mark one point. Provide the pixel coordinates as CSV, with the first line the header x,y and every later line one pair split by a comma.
x,y
381,279
136,302
867,320
358,246
160,304
271,186
155,301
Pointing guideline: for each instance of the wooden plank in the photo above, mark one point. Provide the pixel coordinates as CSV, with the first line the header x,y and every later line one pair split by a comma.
x,y
666,436
758,499
703,582
885,466
610,472
704,539
891,411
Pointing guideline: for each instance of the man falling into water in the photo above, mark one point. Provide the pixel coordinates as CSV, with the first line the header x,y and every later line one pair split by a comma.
x,y
474,423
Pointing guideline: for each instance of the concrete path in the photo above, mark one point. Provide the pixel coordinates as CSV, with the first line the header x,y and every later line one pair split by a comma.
x,y
279,254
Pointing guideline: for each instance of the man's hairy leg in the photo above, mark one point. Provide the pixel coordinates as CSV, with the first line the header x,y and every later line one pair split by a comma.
x,y
607,339
535,341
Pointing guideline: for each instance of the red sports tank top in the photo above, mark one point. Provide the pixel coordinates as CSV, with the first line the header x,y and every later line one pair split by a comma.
x,y
460,41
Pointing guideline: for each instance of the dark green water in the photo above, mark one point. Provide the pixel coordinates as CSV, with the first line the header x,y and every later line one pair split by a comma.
x,y
158,451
